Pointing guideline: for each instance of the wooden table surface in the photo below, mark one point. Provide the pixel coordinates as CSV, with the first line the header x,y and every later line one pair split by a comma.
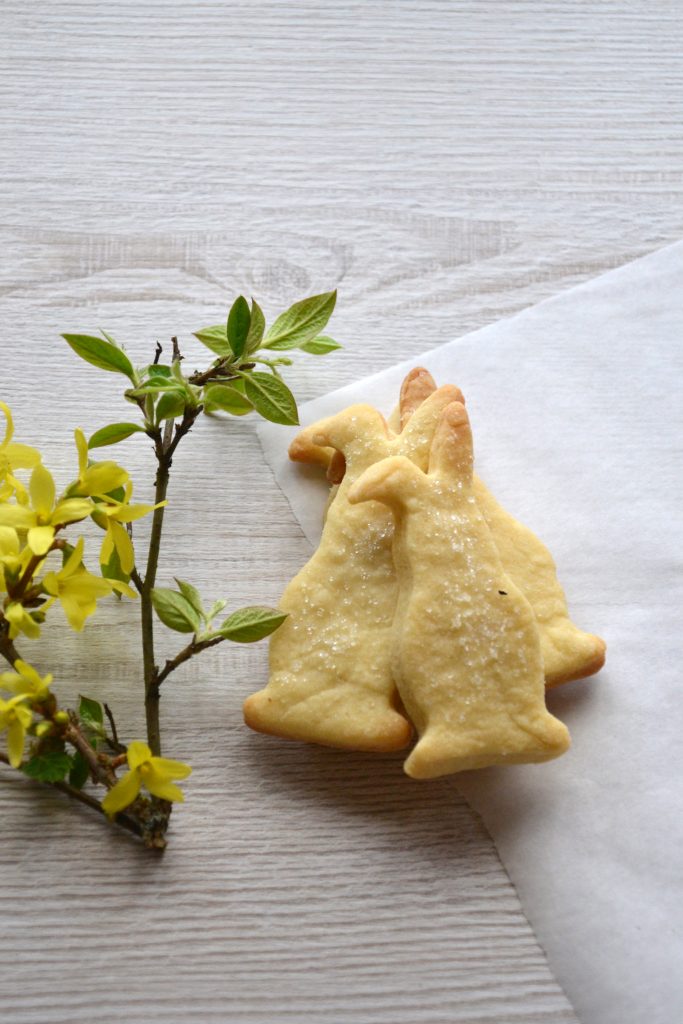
x,y
444,164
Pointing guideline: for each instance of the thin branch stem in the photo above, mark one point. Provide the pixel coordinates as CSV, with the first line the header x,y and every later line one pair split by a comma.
x,y
217,370
164,448
7,648
18,591
100,769
137,579
147,611
123,819
223,370
78,794
71,791
114,742
194,647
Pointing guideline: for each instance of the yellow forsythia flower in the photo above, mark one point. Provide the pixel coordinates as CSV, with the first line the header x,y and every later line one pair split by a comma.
x,y
14,456
98,479
9,546
78,590
12,560
16,717
44,516
26,682
110,515
154,773
20,621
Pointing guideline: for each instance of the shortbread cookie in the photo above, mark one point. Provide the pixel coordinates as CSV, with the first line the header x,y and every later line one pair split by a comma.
x,y
568,652
466,647
330,679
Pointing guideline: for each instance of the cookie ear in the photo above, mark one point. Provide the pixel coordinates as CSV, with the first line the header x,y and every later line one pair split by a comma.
x,y
416,438
416,387
303,450
451,455
340,432
331,460
391,481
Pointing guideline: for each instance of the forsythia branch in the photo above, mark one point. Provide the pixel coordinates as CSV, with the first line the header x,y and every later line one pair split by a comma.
x,y
66,748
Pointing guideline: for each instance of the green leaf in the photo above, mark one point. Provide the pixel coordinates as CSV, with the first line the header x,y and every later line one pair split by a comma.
x,y
239,321
215,338
91,714
175,611
66,552
80,773
51,766
156,386
256,328
158,370
114,433
226,398
271,397
118,494
170,405
320,346
112,569
301,322
250,624
215,609
100,353
191,594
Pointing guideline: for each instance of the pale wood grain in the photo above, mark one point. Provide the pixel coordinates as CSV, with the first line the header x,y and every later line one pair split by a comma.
x,y
444,164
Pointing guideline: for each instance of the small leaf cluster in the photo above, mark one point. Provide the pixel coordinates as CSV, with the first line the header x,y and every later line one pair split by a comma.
x,y
233,383
182,610
50,761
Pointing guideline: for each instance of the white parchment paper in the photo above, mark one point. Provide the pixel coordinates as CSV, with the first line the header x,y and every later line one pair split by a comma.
x,y
577,411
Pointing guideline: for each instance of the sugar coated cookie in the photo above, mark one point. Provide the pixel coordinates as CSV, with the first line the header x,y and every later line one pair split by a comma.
x,y
330,678
466,646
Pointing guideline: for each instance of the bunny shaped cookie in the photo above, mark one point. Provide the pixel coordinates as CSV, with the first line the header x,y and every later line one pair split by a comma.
x,y
568,652
330,679
466,652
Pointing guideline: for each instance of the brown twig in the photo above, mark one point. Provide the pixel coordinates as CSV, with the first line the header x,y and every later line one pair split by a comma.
x,y
164,448
220,369
137,579
100,769
147,831
183,428
7,648
194,647
114,741
64,787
